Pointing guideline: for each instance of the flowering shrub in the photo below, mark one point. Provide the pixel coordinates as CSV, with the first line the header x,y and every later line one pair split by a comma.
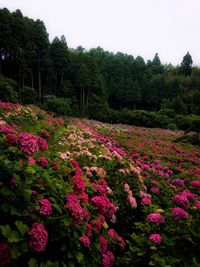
x,y
93,194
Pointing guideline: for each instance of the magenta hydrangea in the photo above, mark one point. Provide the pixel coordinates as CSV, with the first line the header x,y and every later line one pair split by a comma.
x,y
85,240
197,204
103,244
195,184
42,144
38,237
12,138
107,259
74,208
179,214
146,201
5,254
43,162
45,207
155,218
156,238
28,143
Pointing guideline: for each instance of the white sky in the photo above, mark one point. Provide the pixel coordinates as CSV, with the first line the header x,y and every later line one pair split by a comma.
x,y
136,27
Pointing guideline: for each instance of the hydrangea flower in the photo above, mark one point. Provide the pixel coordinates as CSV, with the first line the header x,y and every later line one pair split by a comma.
x,y
38,237
156,238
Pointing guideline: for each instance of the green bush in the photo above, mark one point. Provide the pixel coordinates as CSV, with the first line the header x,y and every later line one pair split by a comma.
x,y
59,105
7,90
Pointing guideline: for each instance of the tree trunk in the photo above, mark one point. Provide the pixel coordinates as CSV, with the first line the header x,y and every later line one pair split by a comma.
x,y
32,82
39,84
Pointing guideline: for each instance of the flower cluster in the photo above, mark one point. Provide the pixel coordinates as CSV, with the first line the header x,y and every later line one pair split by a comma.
x,y
38,237
45,207
74,208
179,214
5,254
30,143
155,218
156,238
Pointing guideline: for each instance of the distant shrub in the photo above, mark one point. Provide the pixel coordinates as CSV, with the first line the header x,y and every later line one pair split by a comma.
x,y
7,90
59,105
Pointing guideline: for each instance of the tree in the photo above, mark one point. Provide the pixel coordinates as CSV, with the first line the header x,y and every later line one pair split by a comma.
x,y
60,56
186,65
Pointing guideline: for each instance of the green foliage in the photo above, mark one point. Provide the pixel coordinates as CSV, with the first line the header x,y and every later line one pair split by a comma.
x,y
61,106
7,90
186,65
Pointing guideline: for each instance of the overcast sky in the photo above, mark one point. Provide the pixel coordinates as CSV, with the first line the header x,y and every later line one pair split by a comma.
x,y
136,27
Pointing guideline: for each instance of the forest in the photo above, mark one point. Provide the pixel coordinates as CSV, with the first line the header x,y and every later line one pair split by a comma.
x,y
111,87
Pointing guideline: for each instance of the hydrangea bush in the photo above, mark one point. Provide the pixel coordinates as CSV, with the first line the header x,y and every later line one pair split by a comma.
x,y
93,194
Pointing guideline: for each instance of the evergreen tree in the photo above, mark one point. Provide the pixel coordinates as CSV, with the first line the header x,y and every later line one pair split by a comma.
x,y
186,65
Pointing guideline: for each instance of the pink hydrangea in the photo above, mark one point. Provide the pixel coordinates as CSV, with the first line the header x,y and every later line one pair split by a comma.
x,y
12,138
195,184
42,143
79,183
89,228
84,197
45,207
74,208
38,237
103,244
100,202
126,187
7,129
28,143
43,162
197,204
181,199
5,254
107,259
154,190
121,242
31,161
179,213
178,182
146,201
156,238
103,182
85,240
112,233
133,202
155,218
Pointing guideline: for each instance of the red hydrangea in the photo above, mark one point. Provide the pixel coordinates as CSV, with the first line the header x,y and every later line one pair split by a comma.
x,y
179,214
195,184
107,259
5,254
7,129
85,240
38,237
12,138
43,162
28,143
74,208
156,238
155,218
146,200
42,144
103,244
45,207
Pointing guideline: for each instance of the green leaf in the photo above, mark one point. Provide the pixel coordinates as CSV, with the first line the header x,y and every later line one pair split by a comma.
x,y
14,237
5,230
30,169
15,252
32,263
23,228
57,207
79,257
